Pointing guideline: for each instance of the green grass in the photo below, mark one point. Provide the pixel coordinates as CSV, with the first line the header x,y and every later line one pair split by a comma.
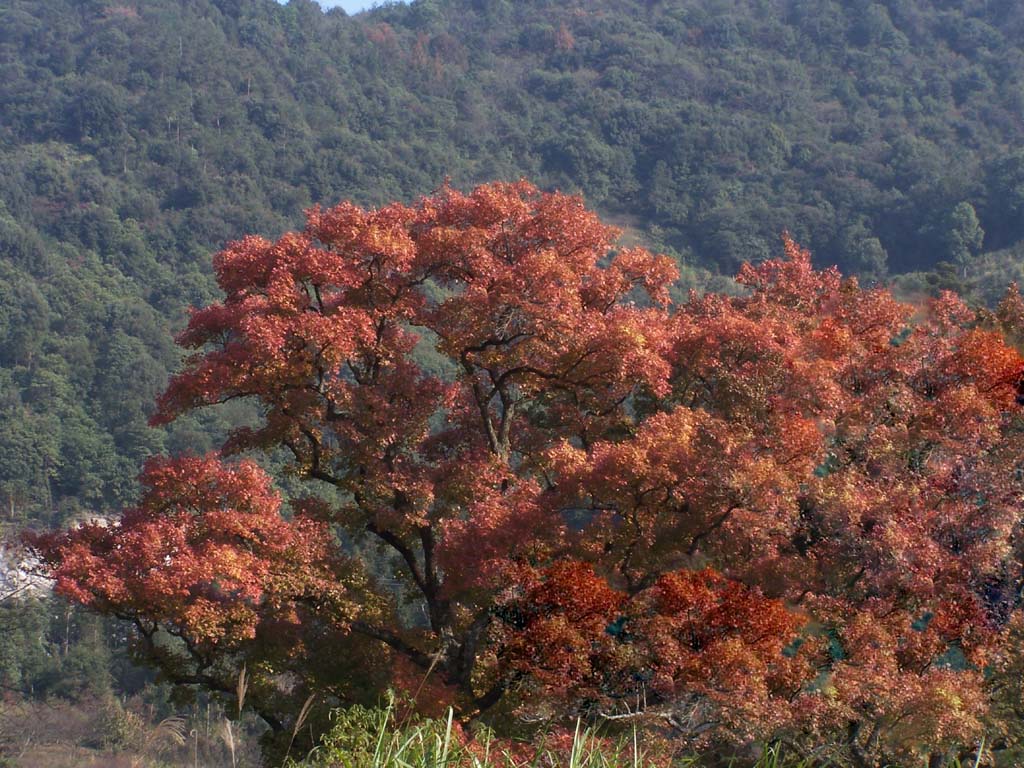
x,y
380,738
377,738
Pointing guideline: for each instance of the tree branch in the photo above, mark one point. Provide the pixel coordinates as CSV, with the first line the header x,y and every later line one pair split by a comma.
x,y
404,550
389,638
699,537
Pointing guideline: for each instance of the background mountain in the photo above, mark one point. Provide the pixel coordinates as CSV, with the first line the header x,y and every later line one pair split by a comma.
x,y
137,136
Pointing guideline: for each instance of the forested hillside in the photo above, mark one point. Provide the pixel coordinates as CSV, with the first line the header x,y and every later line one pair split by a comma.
x,y
137,137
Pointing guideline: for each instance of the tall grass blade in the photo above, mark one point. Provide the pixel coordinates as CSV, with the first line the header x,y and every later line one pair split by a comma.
x,y
227,733
299,722
242,689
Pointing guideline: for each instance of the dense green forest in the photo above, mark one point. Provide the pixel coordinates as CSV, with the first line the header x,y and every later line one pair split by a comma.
x,y
138,136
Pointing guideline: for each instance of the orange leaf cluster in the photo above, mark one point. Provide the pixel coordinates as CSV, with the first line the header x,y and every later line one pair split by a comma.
x,y
791,513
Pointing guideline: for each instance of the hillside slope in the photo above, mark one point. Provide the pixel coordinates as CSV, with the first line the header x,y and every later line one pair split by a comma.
x,y
139,135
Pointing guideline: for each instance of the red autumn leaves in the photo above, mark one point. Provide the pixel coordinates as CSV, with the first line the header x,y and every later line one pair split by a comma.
x,y
774,513
206,551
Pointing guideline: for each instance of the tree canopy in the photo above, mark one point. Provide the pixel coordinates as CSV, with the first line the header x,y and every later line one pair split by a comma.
x,y
786,514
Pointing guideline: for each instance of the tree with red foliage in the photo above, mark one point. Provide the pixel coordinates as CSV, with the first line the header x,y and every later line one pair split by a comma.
x,y
788,514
